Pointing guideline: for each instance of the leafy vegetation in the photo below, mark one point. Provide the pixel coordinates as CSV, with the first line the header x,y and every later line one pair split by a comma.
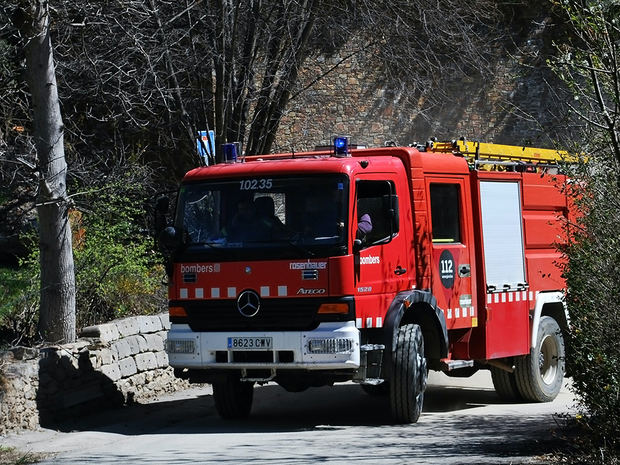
x,y
589,64
117,271
19,299
593,274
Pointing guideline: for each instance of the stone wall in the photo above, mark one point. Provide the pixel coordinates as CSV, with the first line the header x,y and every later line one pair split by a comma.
x,y
511,102
110,365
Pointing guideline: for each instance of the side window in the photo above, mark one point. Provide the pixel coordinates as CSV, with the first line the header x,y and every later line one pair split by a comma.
x,y
373,211
445,213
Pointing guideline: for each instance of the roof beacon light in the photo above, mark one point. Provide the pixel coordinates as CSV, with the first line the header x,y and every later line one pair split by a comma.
x,y
229,153
341,146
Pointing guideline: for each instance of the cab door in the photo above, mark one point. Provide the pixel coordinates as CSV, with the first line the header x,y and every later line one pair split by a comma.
x,y
453,254
382,259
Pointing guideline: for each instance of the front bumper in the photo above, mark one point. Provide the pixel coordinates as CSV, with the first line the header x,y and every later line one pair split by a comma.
x,y
290,349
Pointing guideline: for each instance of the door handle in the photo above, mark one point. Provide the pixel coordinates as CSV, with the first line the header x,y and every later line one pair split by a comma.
x,y
399,270
464,271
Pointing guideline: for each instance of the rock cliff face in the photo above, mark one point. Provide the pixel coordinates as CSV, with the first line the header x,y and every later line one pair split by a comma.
x,y
515,100
111,364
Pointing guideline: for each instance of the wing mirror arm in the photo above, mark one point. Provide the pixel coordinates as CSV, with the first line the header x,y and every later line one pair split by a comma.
x,y
357,245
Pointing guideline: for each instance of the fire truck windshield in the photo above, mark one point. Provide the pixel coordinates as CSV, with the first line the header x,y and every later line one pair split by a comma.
x,y
264,217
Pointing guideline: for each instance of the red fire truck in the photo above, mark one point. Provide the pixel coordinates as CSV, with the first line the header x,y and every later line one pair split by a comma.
x,y
373,266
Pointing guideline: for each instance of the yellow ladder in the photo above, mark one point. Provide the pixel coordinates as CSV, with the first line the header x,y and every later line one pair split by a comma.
x,y
499,152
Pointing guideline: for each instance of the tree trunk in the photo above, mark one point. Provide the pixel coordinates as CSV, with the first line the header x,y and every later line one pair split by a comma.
x,y
57,313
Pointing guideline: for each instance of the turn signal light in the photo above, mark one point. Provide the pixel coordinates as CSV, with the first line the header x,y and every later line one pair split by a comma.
x,y
176,311
334,308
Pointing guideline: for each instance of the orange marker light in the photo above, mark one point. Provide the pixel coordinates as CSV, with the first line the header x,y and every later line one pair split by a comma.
x,y
176,311
334,308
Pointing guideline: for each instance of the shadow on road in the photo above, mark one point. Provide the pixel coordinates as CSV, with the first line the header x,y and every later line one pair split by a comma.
x,y
274,410
354,422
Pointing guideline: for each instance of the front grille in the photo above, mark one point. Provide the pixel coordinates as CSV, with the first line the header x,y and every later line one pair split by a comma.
x,y
273,315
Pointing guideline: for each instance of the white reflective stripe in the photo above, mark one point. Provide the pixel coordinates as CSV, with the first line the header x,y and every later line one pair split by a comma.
x,y
517,296
183,293
471,311
524,295
358,322
199,293
449,314
456,312
496,298
232,292
510,297
531,295
282,291
215,292
379,322
264,291
489,298
503,297
369,322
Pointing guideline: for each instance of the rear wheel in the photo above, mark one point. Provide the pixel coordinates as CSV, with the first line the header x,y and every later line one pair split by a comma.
x,y
505,384
233,398
539,375
409,374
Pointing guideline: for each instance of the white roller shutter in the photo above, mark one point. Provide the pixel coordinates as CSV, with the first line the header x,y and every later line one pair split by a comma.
x,y
502,234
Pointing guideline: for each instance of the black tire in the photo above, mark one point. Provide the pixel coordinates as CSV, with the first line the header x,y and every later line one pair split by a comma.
x,y
505,384
540,374
378,390
409,374
233,398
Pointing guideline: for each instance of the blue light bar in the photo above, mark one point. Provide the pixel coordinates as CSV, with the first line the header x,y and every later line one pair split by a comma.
x,y
229,153
341,146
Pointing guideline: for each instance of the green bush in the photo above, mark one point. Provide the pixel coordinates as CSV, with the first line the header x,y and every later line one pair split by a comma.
x,y
19,303
117,271
593,278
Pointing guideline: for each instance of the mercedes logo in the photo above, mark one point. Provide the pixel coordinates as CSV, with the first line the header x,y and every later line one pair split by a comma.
x,y
248,303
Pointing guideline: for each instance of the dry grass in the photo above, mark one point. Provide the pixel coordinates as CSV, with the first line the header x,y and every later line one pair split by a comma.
x,y
12,456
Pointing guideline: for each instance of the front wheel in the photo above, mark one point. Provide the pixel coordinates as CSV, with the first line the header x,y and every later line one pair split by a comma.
x,y
409,374
540,374
233,398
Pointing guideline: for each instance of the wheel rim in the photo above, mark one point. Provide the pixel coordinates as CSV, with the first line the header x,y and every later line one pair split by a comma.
x,y
548,359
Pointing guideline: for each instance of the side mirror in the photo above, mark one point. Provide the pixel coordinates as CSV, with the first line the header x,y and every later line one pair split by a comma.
x,y
162,204
169,240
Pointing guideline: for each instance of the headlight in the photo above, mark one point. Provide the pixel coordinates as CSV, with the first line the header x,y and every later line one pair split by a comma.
x,y
339,345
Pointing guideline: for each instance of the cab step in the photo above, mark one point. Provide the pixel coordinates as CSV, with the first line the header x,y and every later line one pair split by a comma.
x,y
449,365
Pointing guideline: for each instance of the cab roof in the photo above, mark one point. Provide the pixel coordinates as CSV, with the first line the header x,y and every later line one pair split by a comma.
x,y
383,159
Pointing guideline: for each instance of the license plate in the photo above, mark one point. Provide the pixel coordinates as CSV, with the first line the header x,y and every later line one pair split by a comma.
x,y
250,343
